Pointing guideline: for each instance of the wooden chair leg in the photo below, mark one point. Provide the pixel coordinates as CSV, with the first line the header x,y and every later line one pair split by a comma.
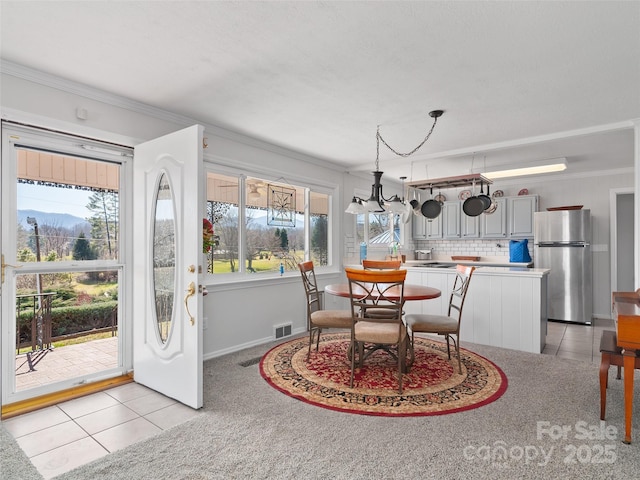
x,y
605,363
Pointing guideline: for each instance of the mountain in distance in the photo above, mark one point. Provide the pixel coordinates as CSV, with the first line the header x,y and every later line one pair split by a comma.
x,y
64,220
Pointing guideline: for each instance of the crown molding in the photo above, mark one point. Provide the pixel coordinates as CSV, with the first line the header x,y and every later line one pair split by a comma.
x,y
75,88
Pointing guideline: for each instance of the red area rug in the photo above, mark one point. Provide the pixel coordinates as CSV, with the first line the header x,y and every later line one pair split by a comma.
x,y
432,387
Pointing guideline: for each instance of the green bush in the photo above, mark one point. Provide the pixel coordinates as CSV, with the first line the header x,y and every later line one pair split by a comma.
x,y
70,319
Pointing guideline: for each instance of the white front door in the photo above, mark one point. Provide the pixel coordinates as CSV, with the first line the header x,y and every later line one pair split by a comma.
x,y
169,204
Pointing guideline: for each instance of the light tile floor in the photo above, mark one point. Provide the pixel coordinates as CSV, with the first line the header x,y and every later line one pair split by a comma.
x,y
65,436
576,341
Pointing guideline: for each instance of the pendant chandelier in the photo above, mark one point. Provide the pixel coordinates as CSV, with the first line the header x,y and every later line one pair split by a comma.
x,y
377,203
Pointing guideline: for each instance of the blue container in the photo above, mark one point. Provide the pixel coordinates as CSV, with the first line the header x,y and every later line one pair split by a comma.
x,y
363,251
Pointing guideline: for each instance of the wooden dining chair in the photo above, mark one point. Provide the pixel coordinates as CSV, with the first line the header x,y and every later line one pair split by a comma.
x,y
380,314
447,325
382,289
317,318
381,264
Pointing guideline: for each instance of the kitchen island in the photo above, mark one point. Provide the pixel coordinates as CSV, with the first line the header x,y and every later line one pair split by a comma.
x,y
506,306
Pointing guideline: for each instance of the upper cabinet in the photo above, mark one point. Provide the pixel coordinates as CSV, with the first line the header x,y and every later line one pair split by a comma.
x,y
424,228
470,226
520,212
512,218
494,225
451,219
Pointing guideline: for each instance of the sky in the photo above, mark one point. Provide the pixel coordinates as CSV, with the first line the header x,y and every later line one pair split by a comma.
x,y
53,199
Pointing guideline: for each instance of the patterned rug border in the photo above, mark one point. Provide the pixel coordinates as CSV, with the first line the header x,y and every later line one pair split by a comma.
x,y
497,394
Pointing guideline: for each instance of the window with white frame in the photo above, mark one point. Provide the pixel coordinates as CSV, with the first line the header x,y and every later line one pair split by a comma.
x,y
379,229
262,226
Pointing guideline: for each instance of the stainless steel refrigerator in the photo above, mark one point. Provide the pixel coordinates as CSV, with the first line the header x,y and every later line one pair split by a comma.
x,y
562,242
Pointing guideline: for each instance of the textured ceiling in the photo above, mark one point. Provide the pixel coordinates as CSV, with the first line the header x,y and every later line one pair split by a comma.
x,y
319,77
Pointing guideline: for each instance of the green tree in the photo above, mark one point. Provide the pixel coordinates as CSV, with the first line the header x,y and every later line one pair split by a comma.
x,y
284,240
104,223
82,249
319,239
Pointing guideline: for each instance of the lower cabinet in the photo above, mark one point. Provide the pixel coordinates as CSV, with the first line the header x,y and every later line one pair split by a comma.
x,y
508,311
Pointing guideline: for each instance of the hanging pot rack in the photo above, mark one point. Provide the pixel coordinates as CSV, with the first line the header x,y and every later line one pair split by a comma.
x,y
450,182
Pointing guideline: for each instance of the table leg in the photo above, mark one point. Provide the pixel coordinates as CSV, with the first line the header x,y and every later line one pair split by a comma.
x,y
629,364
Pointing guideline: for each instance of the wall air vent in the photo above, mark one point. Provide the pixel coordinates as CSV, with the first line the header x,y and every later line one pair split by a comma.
x,y
283,330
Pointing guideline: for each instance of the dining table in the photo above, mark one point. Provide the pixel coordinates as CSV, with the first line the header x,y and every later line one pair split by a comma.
x,y
412,292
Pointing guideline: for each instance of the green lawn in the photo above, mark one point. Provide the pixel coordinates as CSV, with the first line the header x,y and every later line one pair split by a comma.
x,y
264,265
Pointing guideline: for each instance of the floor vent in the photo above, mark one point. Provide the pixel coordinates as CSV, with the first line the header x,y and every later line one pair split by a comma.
x,y
251,361
282,330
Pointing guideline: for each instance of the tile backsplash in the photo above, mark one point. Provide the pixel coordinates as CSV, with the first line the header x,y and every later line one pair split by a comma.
x,y
482,248
441,248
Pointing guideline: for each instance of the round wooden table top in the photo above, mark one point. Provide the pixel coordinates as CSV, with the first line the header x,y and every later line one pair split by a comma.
x,y
411,292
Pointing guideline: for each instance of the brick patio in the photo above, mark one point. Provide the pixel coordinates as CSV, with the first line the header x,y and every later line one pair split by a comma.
x,y
66,362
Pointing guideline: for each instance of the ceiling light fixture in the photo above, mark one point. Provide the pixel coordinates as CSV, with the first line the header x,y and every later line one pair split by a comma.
x,y
376,202
548,166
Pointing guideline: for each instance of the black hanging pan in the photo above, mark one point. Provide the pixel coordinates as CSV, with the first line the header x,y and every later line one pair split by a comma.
x,y
473,206
431,208
486,199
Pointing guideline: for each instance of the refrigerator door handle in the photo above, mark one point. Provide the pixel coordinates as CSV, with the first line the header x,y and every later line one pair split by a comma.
x,y
561,245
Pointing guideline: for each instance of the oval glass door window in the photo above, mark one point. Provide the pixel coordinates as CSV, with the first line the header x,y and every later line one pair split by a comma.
x,y
164,257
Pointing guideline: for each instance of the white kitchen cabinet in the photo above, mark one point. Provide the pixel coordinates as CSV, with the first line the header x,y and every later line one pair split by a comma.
x,y
424,228
520,212
442,280
451,219
470,226
418,227
494,225
503,308
512,219
434,227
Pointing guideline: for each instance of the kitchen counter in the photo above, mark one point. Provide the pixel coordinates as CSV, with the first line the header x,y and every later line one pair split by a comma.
x,y
480,270
505,306
483,262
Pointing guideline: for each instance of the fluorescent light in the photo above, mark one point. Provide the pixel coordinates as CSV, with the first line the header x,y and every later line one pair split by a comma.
x,y
549,166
